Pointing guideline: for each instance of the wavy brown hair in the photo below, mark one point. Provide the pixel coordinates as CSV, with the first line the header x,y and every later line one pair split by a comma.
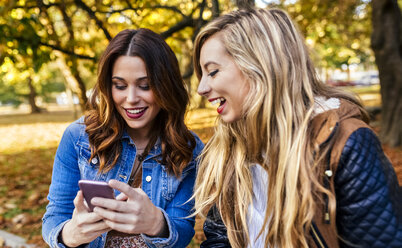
x,y
104,124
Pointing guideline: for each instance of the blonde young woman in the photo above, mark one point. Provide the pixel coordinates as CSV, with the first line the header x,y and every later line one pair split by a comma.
x,y
292,162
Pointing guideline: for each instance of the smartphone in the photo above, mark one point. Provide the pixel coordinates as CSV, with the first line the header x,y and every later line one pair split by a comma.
x,y
91,189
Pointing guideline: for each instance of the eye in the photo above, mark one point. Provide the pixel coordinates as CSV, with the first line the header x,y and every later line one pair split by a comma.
x,y
119,86
213,73
144,87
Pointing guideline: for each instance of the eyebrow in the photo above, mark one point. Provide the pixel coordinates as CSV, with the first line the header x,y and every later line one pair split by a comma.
x,y
122,79
119,78
210,63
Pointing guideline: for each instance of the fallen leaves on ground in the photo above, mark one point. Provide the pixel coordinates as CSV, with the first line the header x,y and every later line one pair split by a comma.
x,y
26,167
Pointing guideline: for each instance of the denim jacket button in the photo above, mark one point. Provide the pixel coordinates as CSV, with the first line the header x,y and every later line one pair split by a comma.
x,y
94,160
328,173
148,179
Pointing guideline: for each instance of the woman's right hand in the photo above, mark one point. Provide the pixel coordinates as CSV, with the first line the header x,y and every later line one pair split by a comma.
x,y
84,226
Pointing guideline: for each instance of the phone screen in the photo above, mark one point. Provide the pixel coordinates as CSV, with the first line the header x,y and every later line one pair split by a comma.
x,y
91,189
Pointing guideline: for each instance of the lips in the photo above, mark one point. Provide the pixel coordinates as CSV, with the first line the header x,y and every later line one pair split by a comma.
x,y
221,107
221,101
135,113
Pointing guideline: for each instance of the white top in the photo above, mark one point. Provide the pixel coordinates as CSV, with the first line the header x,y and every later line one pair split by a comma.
x,y
321,104
256,211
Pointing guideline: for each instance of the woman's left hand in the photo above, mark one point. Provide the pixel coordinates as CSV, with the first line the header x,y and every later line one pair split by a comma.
x,y
131,212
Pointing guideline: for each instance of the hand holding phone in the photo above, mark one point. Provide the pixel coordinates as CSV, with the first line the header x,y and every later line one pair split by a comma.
x,y
91,189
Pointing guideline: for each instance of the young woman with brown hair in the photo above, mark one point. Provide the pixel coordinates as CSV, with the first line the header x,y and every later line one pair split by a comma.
x,y
134,138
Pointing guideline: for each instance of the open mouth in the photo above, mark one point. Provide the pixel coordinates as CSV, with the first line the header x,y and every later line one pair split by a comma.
x,y
221,101
135,113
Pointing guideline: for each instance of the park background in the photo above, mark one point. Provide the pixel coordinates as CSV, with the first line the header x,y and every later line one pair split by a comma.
x,y
48,60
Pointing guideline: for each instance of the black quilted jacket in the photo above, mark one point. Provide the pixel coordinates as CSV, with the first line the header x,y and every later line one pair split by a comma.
x,y
369,199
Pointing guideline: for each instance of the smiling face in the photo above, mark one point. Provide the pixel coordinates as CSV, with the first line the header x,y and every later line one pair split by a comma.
x,y
132,95
222,82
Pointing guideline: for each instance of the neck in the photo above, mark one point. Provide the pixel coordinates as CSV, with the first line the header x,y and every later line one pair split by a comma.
x,y
141,144
140,139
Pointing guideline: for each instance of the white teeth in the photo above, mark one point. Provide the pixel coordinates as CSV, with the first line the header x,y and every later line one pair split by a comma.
x,y
218,100
134,111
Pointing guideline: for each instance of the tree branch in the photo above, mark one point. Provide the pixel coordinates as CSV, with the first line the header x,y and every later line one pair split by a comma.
x,y
92,15
44,9
172,8
35,6
187,22
80,56
215,8
245,4
55,47
200,21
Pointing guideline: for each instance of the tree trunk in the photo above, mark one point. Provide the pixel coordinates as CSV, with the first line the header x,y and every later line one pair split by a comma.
x,y
386,42
245,4
73,80
81,90
32,97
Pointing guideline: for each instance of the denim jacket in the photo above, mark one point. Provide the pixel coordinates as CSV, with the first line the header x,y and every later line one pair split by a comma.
x,y
164,190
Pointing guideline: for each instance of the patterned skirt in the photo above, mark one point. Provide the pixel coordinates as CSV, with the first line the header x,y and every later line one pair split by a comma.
x,y
117,241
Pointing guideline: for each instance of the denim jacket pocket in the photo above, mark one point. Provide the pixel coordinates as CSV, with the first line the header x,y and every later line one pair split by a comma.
x,y
170,183
89,169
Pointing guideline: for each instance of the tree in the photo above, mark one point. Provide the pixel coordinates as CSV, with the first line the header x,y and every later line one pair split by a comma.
x,y
386,42
80,30
24,54
245,4
337,31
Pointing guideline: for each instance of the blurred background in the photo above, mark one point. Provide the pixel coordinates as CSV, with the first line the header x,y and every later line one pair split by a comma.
x,y
49,51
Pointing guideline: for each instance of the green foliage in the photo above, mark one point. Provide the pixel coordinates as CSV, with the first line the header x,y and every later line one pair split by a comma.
x,y
13,82
37,32
22,41
8,95
53,82
337,31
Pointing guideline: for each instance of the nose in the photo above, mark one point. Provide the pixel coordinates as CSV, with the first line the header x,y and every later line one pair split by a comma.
x,y
132,95
203,87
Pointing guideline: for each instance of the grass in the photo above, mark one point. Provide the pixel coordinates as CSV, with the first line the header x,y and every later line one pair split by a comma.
x,y
370,95
371,89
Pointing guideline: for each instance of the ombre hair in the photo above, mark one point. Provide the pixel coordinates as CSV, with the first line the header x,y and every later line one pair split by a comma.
x,y
104,124
273,131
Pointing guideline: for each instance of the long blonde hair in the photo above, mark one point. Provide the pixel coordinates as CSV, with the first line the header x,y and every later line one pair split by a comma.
x,y
273,132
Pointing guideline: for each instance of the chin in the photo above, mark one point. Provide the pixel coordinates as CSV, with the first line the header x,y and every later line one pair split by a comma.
x,y
228,119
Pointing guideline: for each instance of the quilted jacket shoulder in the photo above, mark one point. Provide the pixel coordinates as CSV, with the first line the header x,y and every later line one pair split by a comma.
x,y
356,160
368,195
